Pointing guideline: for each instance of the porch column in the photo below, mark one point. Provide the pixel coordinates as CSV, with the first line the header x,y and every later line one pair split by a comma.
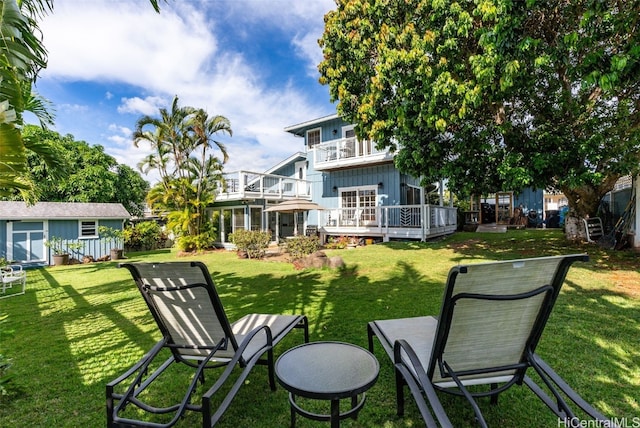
x,y
221,225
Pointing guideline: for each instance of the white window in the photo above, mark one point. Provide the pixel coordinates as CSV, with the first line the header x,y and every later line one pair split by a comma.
x,y
88,229
360,204
313,137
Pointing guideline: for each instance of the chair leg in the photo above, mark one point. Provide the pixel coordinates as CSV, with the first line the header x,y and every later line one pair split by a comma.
x,y
272,381
370,337
399,393
494,397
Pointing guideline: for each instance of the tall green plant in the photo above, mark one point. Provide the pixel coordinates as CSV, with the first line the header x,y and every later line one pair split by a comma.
x,y
183,147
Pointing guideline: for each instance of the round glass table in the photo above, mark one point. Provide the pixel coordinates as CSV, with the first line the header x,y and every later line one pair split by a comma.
x,y
327,371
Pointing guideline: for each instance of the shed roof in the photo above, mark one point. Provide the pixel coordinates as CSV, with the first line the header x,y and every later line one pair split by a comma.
x,y
10,210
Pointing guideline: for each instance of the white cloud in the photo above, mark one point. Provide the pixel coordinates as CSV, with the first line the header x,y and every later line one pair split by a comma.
x,y
147,106
121,41
179,52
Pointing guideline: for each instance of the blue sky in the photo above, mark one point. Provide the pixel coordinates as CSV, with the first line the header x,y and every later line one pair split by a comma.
x,y
253,61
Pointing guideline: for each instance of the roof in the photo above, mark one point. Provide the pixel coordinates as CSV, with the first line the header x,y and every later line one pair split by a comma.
x,y
296,129
290,159
10,210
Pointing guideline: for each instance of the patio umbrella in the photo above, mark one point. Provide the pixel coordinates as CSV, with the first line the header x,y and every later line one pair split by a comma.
x,y
294,206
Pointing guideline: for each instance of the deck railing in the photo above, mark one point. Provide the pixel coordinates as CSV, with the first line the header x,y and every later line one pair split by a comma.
x,y
384,217
246,184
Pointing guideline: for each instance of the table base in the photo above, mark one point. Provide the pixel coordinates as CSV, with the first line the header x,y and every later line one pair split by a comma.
x,y
335,417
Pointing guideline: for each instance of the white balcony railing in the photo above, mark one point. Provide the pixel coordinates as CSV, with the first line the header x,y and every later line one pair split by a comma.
x,y
246,184
348,151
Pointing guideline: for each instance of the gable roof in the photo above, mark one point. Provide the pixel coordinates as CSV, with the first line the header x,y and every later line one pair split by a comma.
x,y
10,210
300,128
291,159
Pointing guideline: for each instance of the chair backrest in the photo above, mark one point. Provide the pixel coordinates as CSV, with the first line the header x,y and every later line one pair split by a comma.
x,y
185,305
492,313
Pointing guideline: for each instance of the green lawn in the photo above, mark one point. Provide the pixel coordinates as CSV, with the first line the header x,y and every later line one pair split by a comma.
x,y
77,327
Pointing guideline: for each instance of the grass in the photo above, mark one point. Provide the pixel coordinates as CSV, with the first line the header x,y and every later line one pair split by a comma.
x,y
77,327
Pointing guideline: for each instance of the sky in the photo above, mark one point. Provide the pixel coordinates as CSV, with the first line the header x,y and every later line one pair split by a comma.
x,y
253,61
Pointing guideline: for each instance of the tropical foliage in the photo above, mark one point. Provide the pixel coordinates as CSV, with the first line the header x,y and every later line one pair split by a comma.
x,y
22,56
144,236
183,147
493,95
91,175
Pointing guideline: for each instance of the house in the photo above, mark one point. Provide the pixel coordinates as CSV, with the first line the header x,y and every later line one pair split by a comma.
x,y
357,184
26,229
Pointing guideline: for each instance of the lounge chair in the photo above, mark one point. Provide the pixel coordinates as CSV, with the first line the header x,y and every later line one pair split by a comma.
x,y
187,309
10,275
491,320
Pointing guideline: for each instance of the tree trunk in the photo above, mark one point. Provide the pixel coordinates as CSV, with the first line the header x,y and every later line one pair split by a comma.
x,y
584,202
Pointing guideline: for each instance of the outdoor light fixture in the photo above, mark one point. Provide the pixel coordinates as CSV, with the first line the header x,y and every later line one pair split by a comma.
x,y
335,188
380,185
335,131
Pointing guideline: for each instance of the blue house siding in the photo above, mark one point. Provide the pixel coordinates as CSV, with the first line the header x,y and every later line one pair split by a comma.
x,y
531,199
69,232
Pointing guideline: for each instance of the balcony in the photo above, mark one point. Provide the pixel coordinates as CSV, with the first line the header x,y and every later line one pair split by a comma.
x,y
241,185
347,152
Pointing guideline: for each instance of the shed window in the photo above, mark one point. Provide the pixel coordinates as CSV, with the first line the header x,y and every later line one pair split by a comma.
x,y
88,228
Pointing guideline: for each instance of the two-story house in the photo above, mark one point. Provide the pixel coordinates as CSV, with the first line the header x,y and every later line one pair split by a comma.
x,y
361,192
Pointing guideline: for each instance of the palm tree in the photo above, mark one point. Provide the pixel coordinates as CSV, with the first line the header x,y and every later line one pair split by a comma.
x,y
203,128
169,136
182,142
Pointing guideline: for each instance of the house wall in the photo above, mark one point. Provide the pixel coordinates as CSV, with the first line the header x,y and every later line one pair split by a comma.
x,y
328,128
68,230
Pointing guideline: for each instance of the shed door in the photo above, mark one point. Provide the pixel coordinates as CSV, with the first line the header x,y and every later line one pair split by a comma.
x,y
26,241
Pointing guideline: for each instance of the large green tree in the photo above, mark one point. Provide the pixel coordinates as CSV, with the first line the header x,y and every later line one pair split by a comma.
x,y
91,174
493,94
183,154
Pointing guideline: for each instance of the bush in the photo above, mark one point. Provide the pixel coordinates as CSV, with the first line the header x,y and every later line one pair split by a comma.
x,y
144,236
253,242
194,243
300,246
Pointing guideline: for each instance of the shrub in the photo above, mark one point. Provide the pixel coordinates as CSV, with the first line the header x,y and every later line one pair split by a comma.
x,y
300,246
253,242
194,243
146,235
